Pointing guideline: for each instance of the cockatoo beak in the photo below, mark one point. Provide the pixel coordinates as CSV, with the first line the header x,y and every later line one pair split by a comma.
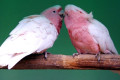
x,y
61,13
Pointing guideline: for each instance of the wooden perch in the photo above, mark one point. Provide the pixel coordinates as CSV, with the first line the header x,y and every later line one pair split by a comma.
x,y
84,61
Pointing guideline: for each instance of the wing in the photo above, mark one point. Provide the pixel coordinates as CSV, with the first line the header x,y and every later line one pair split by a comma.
x,y
36,35
22,24
102,37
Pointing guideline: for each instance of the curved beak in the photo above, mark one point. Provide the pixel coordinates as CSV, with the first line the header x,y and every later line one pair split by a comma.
x,y
61,13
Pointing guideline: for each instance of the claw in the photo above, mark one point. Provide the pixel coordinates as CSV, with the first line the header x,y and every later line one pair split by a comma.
x,y
76,54
45,55
98,56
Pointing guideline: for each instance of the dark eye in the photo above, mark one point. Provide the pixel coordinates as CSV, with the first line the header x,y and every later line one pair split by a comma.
x,y
67,14
54,11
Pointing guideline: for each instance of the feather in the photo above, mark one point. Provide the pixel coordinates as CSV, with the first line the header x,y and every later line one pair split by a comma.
x,y
101,35
28,37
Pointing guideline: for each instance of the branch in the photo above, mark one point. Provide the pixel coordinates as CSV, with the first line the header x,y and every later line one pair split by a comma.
x,y
84,61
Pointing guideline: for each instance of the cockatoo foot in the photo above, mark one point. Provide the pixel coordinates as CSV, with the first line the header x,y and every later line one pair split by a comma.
x,y
98,56
45,55
76,54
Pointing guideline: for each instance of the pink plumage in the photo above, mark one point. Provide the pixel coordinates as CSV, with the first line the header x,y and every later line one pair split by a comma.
x,y
87,34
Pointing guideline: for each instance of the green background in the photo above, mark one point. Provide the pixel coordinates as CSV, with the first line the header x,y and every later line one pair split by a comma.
x,y
106,11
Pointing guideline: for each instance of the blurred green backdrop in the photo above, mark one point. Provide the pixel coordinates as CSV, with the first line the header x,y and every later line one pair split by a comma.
x,y
106,11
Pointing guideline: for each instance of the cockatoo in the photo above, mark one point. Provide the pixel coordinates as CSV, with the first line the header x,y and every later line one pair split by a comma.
x,y
87,34
35,33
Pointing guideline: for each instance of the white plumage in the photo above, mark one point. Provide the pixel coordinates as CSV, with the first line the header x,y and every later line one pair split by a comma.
x,y
33,33
101,36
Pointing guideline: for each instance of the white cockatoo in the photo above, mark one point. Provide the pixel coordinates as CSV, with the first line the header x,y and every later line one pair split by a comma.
x,y
35,33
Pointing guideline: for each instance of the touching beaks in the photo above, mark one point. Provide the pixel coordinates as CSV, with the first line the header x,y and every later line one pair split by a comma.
x,y
61,13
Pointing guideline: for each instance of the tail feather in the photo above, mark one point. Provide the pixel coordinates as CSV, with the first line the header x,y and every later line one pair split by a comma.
x,y
4,60
9,59
14,60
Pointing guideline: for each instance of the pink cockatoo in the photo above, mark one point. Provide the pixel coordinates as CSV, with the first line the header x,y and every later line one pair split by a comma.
x,y
88,35
35,33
